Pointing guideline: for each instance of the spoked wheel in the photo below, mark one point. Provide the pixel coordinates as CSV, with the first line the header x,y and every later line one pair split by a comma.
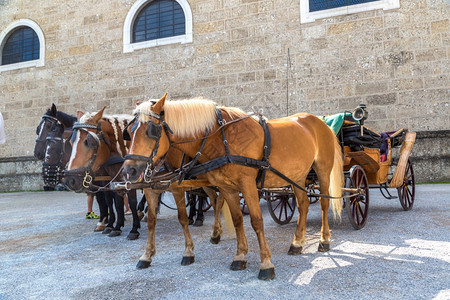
x,y
313,199
281,206
357,206
407,191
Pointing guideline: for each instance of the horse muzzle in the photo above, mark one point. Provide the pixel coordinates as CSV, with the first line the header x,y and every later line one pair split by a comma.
x,y
76,181
134,172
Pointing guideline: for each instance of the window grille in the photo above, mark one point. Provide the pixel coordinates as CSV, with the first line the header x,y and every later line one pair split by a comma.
x,y
317,5
22,45
159,19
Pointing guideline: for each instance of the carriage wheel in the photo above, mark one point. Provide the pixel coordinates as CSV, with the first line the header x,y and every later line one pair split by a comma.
x,y
313,199
407,191
357,206
281,207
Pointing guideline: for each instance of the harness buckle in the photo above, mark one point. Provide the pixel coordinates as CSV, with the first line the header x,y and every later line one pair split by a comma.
x,y
87,180
148,172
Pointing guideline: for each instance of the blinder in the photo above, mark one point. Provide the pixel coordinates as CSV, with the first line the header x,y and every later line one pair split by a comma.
x,y
154,130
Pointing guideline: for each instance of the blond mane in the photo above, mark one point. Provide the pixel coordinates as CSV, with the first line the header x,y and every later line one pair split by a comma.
x,y
189,117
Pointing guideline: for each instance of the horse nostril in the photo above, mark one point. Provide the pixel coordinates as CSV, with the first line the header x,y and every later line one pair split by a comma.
x,y
129,172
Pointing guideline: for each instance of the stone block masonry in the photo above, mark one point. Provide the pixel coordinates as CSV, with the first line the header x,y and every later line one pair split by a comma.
x,y
396,61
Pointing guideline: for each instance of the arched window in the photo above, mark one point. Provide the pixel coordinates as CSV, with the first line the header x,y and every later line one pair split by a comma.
x,y
22,45
311,10
157,22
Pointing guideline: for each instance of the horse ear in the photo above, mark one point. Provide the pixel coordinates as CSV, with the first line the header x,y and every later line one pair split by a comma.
x,y
98,116
158,107
79,114
53,109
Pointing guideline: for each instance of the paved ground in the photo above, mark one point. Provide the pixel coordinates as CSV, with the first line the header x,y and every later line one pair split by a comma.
x,y
49,251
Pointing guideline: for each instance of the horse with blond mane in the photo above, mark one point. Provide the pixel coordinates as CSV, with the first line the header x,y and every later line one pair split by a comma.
x,y
239,154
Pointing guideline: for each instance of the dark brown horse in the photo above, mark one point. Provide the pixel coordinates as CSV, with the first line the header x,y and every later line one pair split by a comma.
x,y
54,148
232,149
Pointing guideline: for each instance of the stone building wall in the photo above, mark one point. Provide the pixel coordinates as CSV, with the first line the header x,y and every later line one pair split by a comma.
x,y
396,61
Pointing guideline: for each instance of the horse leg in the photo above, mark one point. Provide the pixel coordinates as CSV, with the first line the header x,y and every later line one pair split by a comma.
x,y
200,218
191,201
152,202
267,269
240,259
324,244
303,206
132,202
217,203
118,203
112,217
188,256
100,197
141,207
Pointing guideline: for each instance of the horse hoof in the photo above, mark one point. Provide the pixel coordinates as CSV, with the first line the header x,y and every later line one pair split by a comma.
x,y
187,260
266,274
198,223
238,265
133,236
324,247
215,240
107,230
99,228
143,264
140,215
115,233
293,250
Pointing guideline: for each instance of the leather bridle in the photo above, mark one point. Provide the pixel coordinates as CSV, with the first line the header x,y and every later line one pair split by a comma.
x,y
153,132
87,172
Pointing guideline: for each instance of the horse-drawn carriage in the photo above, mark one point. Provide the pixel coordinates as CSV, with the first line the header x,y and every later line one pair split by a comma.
x,y
368,163
230,150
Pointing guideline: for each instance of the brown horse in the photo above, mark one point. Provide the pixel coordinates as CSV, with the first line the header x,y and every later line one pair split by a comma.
x,y
225,135
90,154
98,147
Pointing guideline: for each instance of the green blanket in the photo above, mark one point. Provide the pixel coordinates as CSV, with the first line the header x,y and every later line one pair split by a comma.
x,y
335,121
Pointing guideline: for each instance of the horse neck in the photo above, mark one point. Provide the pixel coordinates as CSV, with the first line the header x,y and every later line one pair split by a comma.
x,y
209,152
115,136
65,119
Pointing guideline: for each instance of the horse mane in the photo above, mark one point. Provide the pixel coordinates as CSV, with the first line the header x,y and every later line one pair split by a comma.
x,y
66,119
188,117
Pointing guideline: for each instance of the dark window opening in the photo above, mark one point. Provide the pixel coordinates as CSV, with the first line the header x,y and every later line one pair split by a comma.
x,y
316,5
22,45
159,19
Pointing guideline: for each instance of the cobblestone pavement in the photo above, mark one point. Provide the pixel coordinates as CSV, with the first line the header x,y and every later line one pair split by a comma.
x,y
49,251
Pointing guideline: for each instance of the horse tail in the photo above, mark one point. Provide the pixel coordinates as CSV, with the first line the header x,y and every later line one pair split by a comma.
x,y
229,227
337,180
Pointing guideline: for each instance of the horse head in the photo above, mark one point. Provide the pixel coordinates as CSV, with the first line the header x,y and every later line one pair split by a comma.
x,y
90,149
48,128
149,142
